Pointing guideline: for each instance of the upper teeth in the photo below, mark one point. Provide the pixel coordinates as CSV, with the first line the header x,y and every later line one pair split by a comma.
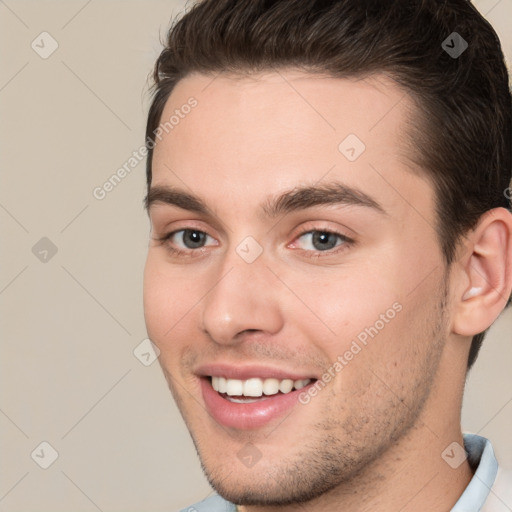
x,y
256,386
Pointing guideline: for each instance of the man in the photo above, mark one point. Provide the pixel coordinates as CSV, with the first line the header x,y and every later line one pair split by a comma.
x,y
331,238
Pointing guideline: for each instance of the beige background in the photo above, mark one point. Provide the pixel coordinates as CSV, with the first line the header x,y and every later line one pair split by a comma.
x,y
70,325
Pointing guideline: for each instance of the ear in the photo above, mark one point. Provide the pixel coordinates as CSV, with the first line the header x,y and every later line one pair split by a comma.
x,y
484,278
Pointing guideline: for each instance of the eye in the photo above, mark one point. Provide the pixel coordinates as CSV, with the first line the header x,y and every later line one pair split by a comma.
x,y
185,242
320,240
188,238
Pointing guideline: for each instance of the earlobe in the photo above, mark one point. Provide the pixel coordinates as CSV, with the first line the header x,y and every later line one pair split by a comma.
x,y
487,273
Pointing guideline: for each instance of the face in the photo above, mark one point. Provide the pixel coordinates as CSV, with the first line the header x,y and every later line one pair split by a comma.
x,y
294,282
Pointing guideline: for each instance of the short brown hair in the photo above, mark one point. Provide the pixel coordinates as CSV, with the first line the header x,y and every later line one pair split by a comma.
x,y
464,130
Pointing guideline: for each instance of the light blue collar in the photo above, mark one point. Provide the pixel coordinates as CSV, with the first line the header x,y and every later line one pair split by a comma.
x,y
480,454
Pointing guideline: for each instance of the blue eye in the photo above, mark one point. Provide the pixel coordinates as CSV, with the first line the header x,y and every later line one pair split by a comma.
x,y
316,240
186,243
190,238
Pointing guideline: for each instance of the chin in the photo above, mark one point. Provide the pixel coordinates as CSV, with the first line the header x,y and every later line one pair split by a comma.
x,y
286,484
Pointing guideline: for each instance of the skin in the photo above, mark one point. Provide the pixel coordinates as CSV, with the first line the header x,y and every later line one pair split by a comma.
x,y
372,439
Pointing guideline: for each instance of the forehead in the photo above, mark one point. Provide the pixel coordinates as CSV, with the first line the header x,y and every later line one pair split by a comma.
x,y
288,105
254,134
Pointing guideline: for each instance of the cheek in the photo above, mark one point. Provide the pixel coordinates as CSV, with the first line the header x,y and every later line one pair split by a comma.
x,y
171,298
163,309
164,300
342,306
155,299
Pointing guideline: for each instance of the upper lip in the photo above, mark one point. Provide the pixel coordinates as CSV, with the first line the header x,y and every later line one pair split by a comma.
x,y
248,371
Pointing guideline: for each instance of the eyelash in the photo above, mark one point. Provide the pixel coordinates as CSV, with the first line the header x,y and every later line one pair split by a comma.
x,y
313,254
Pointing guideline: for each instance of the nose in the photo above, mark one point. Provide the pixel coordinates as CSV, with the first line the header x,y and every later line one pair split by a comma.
x,y
243,298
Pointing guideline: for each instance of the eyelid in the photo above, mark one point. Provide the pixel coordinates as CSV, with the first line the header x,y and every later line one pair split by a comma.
x,y
168,217
328,231
166,238
323,227
317,254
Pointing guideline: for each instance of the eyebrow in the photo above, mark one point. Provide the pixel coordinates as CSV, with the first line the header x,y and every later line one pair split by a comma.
x,y
298,198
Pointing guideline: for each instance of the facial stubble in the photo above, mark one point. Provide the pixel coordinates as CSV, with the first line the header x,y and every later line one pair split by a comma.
x,y
334,452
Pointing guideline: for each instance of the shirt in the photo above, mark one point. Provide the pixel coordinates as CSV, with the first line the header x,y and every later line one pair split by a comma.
x,y
490,489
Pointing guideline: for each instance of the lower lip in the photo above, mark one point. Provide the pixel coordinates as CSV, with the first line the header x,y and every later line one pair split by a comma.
x,y
251,415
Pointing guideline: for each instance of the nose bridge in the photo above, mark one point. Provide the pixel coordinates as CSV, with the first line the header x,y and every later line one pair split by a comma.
x,y
242,297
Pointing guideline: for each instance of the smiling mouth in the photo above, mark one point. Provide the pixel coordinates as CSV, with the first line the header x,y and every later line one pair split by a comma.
x,y
254,389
